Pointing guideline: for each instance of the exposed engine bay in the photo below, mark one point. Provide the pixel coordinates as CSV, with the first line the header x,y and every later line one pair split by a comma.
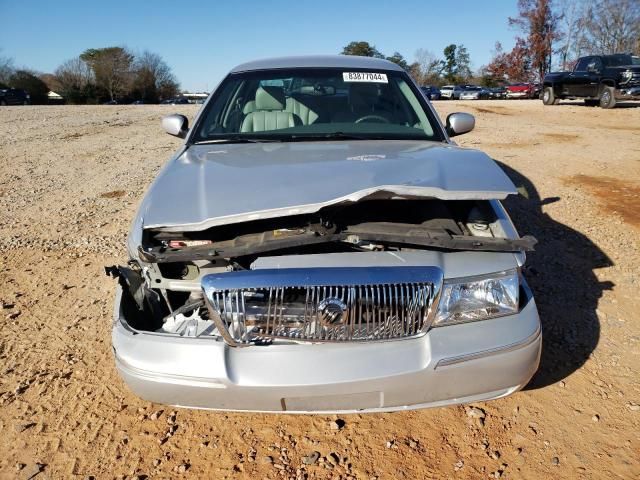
x,y
163,293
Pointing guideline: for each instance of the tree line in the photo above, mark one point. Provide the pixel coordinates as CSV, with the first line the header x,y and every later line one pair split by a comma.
x,y
549,34
454,67
97,75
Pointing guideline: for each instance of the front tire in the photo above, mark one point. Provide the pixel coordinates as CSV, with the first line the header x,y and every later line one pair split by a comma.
x,y
607,97
549,97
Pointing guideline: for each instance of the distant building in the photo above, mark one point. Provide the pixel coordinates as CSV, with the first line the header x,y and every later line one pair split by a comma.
x,y
54,98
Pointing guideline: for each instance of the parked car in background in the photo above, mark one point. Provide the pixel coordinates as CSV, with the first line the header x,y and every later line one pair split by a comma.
x,y
520,90
14,96
175,101
598,79
431,92
498,93
473,92
307,250
451,92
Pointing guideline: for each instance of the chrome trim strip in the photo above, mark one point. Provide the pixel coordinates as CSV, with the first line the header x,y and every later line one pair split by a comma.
x,y
446,362
319,277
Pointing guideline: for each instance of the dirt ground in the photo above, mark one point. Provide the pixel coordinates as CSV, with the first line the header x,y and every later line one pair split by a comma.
x,y
70,180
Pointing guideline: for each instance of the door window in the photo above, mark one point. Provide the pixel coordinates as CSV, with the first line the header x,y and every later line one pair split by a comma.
x,y
583,64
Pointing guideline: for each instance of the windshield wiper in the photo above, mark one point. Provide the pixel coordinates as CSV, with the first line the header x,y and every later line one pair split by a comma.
x,y
237,139
332,136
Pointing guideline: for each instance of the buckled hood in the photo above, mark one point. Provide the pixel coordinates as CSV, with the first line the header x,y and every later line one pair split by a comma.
x,y
215,184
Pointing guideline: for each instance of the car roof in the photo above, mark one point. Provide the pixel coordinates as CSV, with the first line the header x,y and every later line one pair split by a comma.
x,y
318,61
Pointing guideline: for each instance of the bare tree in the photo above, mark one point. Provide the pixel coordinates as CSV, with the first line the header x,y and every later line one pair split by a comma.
x,y
51,81
571,22
74,73
611,26
6,69
153,78
76,80
430,66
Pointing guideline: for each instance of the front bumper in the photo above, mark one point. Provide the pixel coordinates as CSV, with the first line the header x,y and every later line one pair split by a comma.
x,y
628,93
448,365
518,95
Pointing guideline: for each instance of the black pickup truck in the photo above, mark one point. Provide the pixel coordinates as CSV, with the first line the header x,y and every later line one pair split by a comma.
x,y
599,79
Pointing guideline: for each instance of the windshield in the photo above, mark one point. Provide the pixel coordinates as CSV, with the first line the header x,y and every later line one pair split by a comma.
x,y
313,104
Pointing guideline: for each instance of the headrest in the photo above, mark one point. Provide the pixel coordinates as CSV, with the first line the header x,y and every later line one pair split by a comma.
x,y
249,107
270,98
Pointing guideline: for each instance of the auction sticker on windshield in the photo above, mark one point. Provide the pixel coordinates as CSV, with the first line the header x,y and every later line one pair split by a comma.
x,y
364,77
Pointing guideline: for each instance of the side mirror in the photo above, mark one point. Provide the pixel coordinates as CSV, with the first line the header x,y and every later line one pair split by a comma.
x,y
176,125
459,123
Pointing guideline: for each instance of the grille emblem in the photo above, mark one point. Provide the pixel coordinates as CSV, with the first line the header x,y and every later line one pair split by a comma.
x,y
332,310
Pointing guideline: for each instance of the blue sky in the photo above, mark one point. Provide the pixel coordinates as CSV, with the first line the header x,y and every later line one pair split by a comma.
x,y
202,42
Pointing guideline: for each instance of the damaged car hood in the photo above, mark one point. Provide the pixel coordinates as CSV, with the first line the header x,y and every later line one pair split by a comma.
x,y
215,184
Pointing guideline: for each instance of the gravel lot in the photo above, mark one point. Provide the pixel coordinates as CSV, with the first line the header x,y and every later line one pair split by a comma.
x,y
70,180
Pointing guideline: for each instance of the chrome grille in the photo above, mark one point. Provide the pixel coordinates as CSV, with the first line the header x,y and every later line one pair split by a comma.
x,y
323,304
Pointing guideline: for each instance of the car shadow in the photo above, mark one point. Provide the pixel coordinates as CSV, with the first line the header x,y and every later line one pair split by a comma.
x,y
561,274
619,104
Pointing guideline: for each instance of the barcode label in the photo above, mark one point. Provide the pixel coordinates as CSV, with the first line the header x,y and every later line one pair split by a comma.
x,y
364,77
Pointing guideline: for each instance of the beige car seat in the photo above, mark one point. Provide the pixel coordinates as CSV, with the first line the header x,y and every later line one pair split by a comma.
x,y
270,113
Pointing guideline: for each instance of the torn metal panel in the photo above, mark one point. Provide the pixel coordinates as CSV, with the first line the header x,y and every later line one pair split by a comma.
x,y
210,185
134,287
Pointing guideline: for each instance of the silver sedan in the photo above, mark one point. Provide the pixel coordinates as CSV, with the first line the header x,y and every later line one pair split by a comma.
x,y
319,244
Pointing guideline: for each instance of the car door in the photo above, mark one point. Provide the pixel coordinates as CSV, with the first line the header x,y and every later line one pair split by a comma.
x,y
594,71
577,80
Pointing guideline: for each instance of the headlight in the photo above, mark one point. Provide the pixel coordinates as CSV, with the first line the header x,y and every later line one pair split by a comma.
x,y
478,298
626,76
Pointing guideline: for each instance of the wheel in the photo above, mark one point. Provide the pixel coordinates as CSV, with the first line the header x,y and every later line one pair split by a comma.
x,y
607,97
548,97
589,102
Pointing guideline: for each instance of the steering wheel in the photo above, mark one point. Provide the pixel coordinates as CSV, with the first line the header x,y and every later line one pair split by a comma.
x,y
379,118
